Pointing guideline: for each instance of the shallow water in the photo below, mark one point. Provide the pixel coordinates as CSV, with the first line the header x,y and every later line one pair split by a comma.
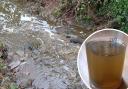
x,y
12,16
40,56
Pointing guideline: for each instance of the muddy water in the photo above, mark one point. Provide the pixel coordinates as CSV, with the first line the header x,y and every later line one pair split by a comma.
x,y
39,55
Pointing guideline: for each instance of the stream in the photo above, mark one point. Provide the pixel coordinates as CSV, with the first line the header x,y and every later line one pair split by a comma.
x,y
40,55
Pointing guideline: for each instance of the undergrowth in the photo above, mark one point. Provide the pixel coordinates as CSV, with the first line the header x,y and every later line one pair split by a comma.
x,y
87,11
118,9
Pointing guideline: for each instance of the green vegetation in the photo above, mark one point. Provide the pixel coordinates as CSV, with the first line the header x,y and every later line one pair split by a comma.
x,y
81,13
86,11
118,9
2,65
13,86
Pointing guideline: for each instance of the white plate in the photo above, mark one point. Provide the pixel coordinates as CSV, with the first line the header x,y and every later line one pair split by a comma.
x,y
83,67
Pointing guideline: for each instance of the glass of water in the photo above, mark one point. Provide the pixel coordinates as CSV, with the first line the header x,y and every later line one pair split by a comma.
x,y
105,56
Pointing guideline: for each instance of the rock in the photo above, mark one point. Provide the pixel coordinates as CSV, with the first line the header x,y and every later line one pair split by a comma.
x,y
62,61
20,53
14,64
1,76
1,54
68,36
76,40
2,88
41,83
26,83
3,51
66,68
114,24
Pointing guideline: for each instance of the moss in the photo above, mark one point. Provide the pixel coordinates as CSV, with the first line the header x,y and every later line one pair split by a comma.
x,y
57,13
13,86
2,66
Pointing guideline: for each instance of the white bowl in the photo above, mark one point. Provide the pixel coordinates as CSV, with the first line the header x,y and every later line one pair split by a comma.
x,y
83,66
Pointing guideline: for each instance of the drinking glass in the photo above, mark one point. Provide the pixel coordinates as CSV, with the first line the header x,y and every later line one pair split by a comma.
x,y
105,56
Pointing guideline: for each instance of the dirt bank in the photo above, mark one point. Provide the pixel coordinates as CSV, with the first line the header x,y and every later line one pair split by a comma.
x,y
61,13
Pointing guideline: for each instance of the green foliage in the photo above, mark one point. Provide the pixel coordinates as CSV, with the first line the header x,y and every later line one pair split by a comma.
x,y
64,5
118,9
57,13
1,66
81,10
81,13
78,7
13,86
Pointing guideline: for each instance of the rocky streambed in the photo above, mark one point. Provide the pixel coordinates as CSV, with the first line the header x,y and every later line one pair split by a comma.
x,y
39,55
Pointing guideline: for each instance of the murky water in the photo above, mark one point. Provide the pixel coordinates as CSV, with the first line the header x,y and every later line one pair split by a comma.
x,y
39,55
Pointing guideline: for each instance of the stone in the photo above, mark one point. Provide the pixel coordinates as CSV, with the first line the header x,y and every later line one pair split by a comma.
x,y
20,53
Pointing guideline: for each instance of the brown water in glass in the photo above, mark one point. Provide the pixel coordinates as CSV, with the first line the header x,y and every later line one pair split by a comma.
x,y
105,62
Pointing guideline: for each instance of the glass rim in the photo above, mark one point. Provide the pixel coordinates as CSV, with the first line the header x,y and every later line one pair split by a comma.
x,y
106,29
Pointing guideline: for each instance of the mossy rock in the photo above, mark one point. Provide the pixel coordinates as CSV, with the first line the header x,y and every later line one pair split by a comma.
x,y
3,50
